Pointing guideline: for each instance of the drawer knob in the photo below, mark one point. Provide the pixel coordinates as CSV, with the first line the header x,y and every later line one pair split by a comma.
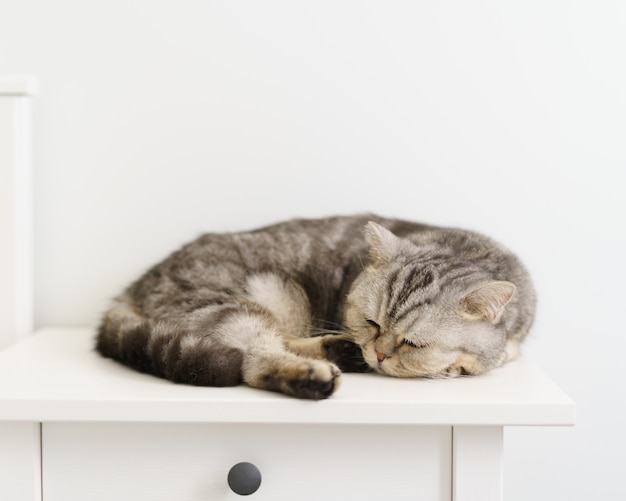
x,y
244,478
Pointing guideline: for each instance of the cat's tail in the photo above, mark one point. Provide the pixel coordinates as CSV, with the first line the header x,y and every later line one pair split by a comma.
x,y
157,348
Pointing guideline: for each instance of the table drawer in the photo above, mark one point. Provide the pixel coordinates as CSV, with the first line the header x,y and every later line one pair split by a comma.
x,y
191,462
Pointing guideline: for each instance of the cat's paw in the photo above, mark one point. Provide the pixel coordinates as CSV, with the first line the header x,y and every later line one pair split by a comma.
x,y
311,379
346,354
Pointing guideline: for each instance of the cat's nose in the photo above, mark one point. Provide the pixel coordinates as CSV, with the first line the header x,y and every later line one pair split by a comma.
x,y
380,356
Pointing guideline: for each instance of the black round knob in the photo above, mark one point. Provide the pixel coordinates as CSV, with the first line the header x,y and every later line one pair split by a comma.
x,y
244,478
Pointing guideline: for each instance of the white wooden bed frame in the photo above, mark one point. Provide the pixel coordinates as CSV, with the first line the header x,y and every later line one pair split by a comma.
x,y
74,426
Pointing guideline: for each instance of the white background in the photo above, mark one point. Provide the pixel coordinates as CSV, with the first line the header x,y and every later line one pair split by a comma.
x,y
161,120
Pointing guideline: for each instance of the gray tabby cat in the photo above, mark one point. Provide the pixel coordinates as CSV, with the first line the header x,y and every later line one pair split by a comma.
x,y
287,307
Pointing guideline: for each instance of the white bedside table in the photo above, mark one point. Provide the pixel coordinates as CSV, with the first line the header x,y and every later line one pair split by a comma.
x,y
76,427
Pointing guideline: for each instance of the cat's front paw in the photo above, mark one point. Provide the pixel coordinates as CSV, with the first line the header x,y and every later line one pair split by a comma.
x,y
346,354
312,379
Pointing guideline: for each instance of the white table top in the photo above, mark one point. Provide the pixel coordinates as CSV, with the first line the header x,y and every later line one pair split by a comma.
x,y
55,375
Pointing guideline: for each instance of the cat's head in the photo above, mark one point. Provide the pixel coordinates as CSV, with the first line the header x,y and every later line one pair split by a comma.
x,y
424,311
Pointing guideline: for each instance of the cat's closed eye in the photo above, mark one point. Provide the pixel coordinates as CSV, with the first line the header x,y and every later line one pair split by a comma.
x,y
414,345
373,324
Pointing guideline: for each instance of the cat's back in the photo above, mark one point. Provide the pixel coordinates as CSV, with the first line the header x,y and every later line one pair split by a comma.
x,y
285,246
302,247
322,254
293,244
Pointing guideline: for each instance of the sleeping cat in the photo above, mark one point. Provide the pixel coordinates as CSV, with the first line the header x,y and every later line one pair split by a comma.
x,y
288,307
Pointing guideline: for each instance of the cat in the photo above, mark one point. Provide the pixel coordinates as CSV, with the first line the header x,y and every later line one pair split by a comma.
x,y
288,307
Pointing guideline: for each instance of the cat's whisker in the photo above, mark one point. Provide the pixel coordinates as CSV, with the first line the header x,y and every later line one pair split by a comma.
x,y
321,321
323,332
361,263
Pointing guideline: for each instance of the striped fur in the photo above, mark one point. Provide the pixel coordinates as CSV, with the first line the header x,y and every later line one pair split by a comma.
x,y
287,307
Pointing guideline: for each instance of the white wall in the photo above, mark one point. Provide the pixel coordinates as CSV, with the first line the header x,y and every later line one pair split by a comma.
x,y
160,120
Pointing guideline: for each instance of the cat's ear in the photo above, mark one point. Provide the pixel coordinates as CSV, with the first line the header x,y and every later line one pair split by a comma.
x,y
488,301
383,244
